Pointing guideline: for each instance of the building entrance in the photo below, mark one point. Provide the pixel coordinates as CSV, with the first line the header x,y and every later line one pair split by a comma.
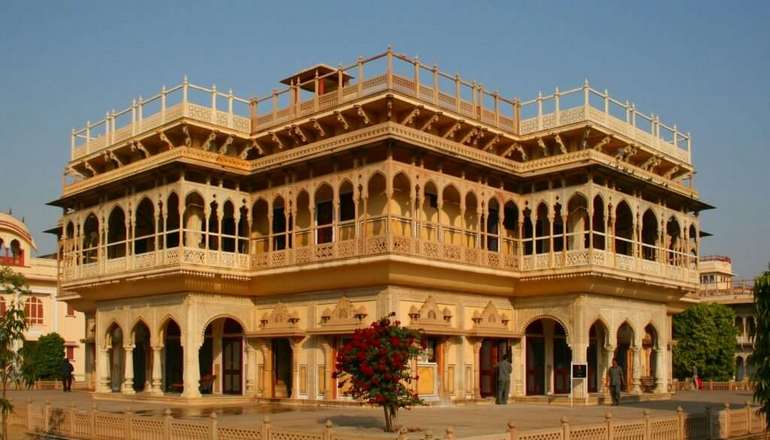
x,y
282,368
492,352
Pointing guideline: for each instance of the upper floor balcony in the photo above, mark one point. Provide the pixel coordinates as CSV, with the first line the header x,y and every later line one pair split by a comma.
x,y
444,220
321,90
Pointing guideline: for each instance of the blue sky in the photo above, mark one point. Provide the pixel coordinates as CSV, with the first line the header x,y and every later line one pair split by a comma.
x,y
702,65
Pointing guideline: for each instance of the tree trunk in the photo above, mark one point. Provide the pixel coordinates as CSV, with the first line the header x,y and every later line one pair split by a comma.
x,y
390,418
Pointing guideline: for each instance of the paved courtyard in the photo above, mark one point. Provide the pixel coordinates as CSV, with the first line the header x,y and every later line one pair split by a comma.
x,y
467,420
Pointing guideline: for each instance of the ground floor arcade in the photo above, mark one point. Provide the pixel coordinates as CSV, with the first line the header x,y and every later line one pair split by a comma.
x,y
192,345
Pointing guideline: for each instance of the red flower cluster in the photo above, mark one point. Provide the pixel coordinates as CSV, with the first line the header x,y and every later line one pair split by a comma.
x,y
375,364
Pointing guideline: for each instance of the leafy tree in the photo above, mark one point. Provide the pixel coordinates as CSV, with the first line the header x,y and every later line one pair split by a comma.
x,y
705,335
759,361
374,363
12,326
45,358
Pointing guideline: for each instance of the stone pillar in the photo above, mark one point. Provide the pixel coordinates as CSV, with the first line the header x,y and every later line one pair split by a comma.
x,y
251,369
519,364
128,376
637,369
609,353
476,367
267,369
103,370
157,375
660,377
329,363
580,390
191,370
296,349
217,329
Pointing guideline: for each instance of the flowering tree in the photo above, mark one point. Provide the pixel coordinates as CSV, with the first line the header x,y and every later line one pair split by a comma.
x,y
374,365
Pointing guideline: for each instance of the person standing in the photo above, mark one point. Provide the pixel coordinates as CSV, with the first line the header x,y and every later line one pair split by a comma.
x,y
695,381
617,380
504,369
66,375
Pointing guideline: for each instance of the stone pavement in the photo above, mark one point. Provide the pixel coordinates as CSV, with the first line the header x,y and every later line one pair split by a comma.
x,y
467,420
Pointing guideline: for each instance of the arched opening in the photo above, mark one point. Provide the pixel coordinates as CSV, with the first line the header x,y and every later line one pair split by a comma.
x,y
624,229
548,358
347,212
173,361
558,229
194,221
260,227
450,218
282,367
221,358
114,343
303,220
172,221
542,230
144,227
142,357
471,221
597,222
649,354
577,223
90,239
510,229
401,206
673,236
597,339
693,247
624,355
430,215
243,230
324,214
529,233
229,222
116,233
649,235
376,204
740,370
281,225
492,226
212,233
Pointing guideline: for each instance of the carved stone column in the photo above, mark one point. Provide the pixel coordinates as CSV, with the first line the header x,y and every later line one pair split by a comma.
x,y
637,370
251,369
103,362
609,353
157,375
660,378
128,381
296,348
191,370
476,367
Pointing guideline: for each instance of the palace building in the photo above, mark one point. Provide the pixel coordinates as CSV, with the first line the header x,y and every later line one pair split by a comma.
x,y
227,246
718,285
45,313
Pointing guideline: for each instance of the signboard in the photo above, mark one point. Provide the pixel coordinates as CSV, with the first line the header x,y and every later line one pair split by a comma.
x,y
579,371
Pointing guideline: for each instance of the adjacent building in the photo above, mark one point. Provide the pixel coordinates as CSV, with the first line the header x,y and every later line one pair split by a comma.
x,y
45,313
717,285
223,245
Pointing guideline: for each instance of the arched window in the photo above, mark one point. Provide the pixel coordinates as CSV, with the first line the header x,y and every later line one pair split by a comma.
x,y
33,310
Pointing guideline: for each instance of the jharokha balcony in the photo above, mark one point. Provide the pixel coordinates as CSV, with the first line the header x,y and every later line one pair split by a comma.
x,y
454,223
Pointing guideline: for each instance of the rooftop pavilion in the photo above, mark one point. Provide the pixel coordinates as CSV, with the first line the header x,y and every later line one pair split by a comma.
x,y
509,126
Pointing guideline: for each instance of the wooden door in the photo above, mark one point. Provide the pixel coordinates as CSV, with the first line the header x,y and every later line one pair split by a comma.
x,y
487,368
562,362
232,373
535,365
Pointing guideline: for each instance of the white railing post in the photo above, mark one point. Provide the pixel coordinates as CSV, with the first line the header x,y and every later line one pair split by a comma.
x,y
606,101
564,428
436,85
133,116
633,115
214,103
167,423
185,93
360,85
213,426
112,125
557,107
457,92
539,110
680,428
676,137
230,114
72,144
140,112
416,79
266,428
389,68
689,147
163,94
586,98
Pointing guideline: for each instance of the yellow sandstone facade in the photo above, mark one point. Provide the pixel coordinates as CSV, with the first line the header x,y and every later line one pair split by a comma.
x,y
227,246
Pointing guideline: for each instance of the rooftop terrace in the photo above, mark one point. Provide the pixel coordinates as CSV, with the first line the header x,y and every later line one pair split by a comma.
x,y
322,88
